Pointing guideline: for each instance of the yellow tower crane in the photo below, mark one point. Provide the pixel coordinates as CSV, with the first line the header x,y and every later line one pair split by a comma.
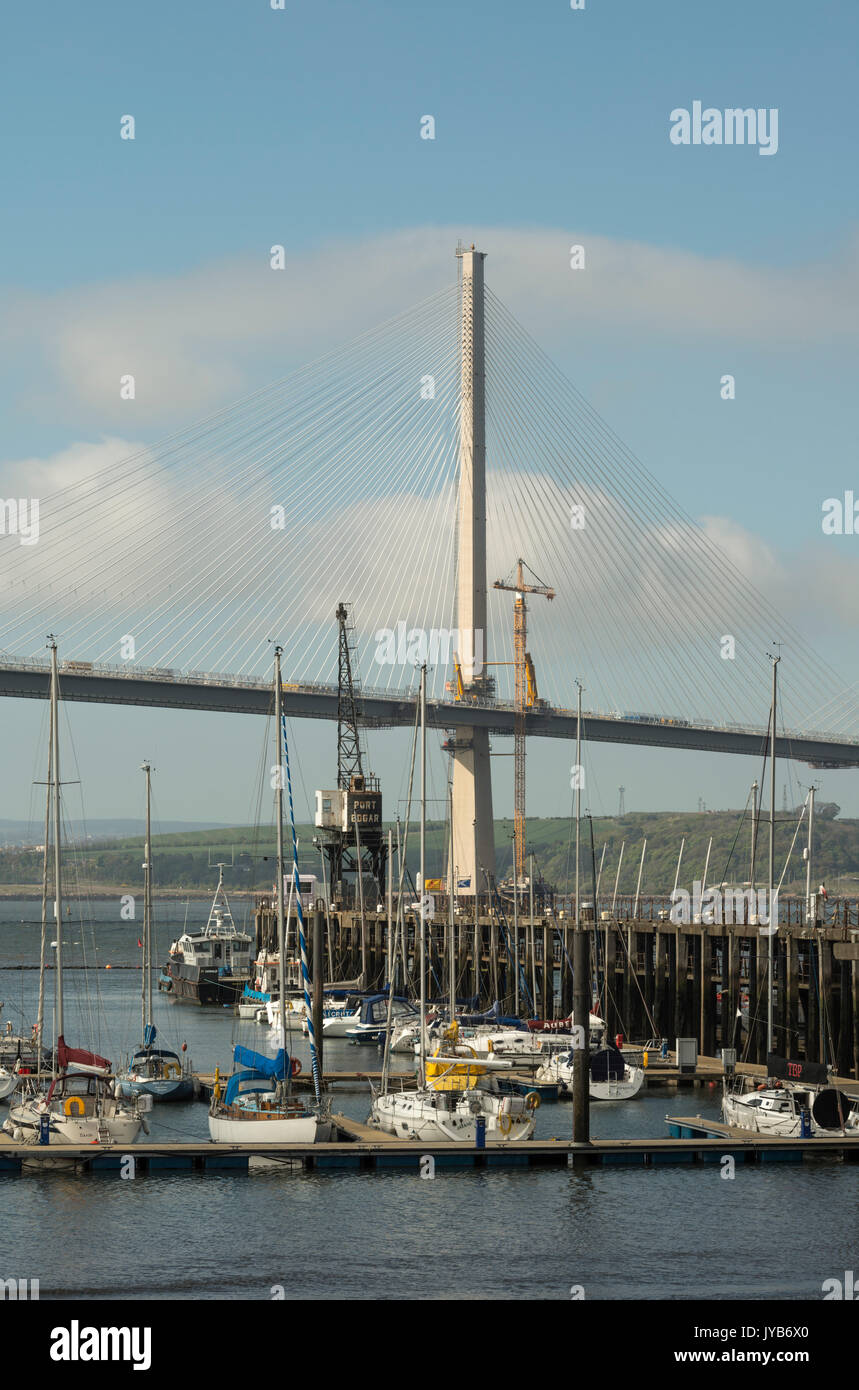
x,y
525,697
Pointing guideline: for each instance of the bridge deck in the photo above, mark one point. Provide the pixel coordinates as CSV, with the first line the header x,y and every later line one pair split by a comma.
x,y
30,680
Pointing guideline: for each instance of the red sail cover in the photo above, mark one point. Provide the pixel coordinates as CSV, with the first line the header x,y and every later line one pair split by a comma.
x,y
77,1057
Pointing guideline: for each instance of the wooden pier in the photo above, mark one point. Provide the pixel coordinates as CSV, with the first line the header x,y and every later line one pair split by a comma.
x,y
384,1153
664,980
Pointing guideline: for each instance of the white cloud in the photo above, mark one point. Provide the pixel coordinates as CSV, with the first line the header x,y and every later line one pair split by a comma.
x,y
196,340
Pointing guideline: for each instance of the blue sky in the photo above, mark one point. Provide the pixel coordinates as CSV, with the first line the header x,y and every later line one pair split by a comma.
x,y
301,127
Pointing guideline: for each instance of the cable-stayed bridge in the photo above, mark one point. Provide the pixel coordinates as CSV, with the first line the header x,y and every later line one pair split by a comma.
x,y
381,709
402,474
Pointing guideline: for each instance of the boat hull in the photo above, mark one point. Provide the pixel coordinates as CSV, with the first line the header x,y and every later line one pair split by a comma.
x,y
171,1088
253,1129
425,1116
195,985
73,1129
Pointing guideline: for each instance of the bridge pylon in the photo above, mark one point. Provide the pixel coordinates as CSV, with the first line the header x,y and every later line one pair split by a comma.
x,y
473,825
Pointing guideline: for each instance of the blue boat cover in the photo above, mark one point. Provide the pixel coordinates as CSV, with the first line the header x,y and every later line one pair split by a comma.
x,y
261,1069
149,1034
275,1067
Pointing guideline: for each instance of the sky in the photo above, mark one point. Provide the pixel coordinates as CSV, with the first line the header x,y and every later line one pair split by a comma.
x,y
301,127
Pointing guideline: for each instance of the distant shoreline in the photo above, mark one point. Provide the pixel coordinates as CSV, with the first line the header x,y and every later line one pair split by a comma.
x,y
30,893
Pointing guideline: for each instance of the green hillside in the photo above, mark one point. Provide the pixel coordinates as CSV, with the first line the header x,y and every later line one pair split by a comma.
x,y
184,860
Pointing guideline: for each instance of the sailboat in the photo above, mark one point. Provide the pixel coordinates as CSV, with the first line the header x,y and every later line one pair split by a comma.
x,y
258,1104
796,1100
609,1076
82,1104
153,1071
455,1089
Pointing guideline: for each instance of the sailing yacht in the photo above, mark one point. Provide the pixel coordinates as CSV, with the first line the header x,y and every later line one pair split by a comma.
x,y
609,1076
796,1100
258,1104
82,1104
8,1082
455,1089
795,1113
153,1071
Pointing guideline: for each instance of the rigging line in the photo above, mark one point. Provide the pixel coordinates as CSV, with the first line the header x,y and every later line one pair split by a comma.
x,y
192,505
356,345
549,367
267,482
538,501
598,530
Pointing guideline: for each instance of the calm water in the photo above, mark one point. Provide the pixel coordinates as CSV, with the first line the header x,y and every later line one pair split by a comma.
x,y
772,1232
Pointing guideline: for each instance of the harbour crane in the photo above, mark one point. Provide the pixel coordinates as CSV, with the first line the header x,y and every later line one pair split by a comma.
x,y
525,697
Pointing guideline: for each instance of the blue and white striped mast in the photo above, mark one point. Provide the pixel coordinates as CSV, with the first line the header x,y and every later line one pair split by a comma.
x,y
302,939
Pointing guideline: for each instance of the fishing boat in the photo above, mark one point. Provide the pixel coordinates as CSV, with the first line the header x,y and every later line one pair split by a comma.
x,y
211,966
457,1095
258,1104
153,1071
82,1104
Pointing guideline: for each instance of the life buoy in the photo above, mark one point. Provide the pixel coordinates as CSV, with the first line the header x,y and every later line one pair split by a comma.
x,y
295,1067
77,1103
532,1100
505,1122
172,1069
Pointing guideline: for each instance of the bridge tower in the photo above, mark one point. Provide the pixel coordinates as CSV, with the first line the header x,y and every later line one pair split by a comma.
x,y
473,828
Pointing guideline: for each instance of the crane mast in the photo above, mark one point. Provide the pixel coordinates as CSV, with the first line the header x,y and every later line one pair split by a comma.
x,y
524,697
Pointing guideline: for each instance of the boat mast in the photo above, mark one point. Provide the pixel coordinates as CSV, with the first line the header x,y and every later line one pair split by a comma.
x,y
40,1012
771,928
281,933
146,984
421,893
451,982
810,915
58,880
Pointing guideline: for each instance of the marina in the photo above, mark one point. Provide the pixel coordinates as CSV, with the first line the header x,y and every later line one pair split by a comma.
x,y
429,811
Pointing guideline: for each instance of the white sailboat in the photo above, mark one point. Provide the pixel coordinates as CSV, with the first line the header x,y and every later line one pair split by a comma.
x,y
455,1090
82,1104
153,1071
609,1078
796,1102
8,1082
258,1104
